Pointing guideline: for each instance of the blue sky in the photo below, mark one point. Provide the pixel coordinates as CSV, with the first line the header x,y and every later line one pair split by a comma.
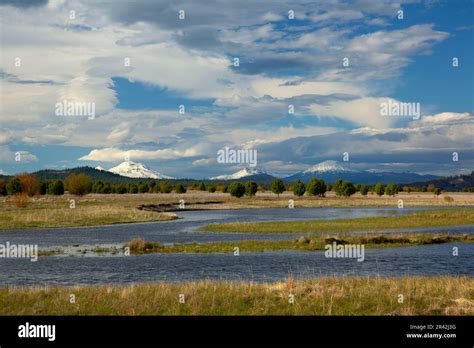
x,y
282,62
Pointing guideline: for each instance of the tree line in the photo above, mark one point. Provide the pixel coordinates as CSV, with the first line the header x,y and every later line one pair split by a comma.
x,y
81,184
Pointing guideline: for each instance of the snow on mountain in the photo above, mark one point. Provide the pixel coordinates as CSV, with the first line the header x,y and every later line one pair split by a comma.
x,y
100,168
137,170
330,171
328,167
240,174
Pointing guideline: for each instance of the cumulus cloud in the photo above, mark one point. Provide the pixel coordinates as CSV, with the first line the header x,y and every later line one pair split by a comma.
x,y
113,154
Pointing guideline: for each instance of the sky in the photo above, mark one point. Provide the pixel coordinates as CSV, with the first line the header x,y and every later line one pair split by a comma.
x,y
335,62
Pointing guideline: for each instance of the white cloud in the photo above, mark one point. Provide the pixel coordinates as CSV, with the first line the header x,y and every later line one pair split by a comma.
x,y
113,154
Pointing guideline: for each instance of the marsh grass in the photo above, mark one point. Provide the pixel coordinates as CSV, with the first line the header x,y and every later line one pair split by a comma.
x,y
305,243
430,218
57,213
319,296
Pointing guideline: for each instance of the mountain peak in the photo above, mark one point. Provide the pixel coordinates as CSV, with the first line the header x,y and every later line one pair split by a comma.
x,y
328,167
132,169
240,174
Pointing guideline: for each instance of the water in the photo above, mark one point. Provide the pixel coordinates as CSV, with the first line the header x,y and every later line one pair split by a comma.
x,y
267,266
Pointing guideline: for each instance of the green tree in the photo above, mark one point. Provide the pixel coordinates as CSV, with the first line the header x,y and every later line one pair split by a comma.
x,y
56,188
133,188
106,189
345,188
251,188
143,188
236,189
364,189
166,187
14,186
316,187
97,186
379,189
211,188
179,188
277,186
299,188
391,190
437,191
44,187
3,188
202,187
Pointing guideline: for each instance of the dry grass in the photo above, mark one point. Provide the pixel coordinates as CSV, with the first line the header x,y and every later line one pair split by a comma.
x,y
97,209
319,296
57,212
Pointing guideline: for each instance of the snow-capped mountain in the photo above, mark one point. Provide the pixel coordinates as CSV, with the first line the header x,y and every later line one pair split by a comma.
x,y
331,171
100,168
329,167
246,172
137,170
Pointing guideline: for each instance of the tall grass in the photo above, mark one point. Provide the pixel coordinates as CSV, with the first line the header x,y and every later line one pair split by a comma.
x,y
320,296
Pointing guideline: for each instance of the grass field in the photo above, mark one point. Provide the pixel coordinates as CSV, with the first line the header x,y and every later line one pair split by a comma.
x,y
96,209
432,218
307,243
320,296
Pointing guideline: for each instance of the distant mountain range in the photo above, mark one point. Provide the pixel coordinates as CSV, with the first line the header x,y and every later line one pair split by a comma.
x,y
450,183
331,171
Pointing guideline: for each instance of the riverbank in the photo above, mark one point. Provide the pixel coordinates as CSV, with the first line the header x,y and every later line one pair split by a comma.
x,y
420,219
318,296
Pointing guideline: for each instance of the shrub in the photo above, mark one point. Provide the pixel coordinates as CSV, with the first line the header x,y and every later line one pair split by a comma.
x,y
211,188
316,187
21,199
344,188
133,188
299,188
13,186
391,189
236,189
202,187
29,184
143,188
97,186
165,187
44,187
251,188
437,191
3,188
56,188
78,184
449,199
106,188
277,187
179,188
379,189
364,189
